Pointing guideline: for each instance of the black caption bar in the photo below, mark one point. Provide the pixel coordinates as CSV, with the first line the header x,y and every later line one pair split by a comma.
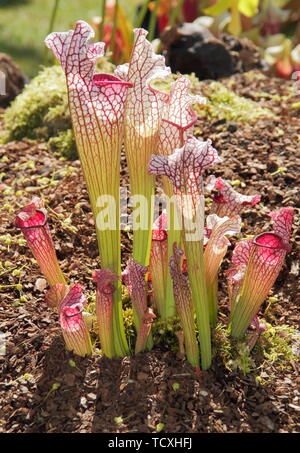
x,y
138,442
151,441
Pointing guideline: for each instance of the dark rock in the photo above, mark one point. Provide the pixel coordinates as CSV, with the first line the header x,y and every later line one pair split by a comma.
x,y
232,128
244,53
12,80
193,48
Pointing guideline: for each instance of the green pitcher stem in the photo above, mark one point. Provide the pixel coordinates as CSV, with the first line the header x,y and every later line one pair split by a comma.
x,y
212,294
195,263
241,318
174,235
141,249
109,242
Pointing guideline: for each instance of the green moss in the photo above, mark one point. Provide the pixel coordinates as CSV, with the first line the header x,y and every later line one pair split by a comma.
x,y
64,144
280,344
164,84
223,103
242,359
33,110
235,355
164,332
275,349
41,111
129,327
221,344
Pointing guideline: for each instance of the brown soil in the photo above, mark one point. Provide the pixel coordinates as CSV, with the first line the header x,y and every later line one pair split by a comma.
x,y
139,388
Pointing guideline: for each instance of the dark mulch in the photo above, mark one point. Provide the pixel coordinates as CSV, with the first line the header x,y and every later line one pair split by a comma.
x,y
139,389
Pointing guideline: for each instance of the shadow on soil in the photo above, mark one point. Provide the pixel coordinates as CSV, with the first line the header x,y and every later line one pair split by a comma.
x,y
59,390
135,394
141,395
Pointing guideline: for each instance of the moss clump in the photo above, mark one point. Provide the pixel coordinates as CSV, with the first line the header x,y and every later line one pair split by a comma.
x,y
280,344
41,111
224,104
242,359
235,355
222,345
64,144
129,327
164,332
277,346
38,106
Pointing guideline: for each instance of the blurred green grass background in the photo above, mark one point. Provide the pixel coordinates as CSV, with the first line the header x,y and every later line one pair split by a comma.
x,y
24,25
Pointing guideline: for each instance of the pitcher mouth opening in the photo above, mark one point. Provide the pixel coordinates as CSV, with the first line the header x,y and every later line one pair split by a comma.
x,y
271,240
101,79
74,314
39,211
